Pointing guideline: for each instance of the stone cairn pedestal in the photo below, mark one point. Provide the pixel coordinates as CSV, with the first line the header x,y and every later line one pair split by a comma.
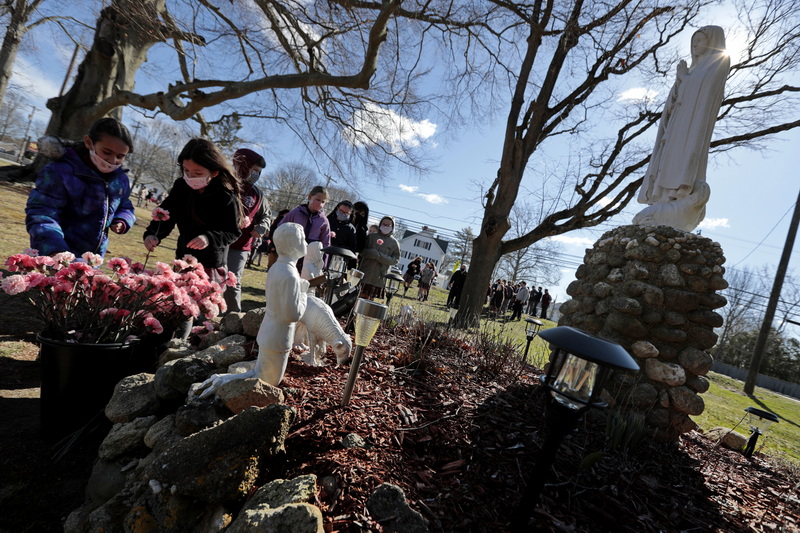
x,y
653,290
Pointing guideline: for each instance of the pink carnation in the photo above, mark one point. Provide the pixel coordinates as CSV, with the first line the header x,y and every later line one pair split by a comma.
x,y
179,265
80,268
14,284
151,322
44,261
118,265
112,311
93,260
21,262
230,281
245,222
380,241
37,279
160,215
64,258
33,252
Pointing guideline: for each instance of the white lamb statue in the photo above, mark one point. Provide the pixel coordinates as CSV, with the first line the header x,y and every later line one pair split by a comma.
x,y
322,328
318,327
313,263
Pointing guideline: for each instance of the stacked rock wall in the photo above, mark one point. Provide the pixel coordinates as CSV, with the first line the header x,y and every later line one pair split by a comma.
x,y
653,290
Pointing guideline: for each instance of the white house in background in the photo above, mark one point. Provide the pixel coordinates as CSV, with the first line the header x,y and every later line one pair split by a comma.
x,y
424,244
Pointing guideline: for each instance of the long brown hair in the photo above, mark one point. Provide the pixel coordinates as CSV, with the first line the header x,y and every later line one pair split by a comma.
x,y
207,155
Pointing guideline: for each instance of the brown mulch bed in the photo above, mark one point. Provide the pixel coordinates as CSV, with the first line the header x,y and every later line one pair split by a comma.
x,y
459,430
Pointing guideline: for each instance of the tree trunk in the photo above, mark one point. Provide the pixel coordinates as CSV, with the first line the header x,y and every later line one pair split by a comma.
x,y
485,255
8,52
125,32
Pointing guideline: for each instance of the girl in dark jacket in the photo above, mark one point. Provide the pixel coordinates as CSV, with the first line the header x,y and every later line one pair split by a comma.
x,y
82,195
205,206
360,223
343,234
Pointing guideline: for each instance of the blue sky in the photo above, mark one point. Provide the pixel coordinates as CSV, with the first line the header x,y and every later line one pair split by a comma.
x,y
752,193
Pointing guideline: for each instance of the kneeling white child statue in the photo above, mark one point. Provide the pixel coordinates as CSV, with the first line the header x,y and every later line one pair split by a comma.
x,y
287,296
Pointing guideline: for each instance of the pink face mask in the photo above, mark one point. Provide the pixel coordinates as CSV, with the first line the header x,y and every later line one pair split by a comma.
x,y
197,183
102,165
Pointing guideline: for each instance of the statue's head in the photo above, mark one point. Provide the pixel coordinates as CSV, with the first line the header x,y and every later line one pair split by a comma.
x,y
314,251
290,241
708,40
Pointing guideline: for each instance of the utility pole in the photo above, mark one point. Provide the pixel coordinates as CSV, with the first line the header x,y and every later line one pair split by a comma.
x,y
25,141
769,315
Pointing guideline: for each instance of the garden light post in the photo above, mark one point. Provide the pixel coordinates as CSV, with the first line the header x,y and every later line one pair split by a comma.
x,y
532,327
336,268
579,367
759,422
391,284
368,317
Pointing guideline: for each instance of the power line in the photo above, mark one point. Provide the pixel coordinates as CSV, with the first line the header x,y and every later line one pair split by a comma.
x,y
791,207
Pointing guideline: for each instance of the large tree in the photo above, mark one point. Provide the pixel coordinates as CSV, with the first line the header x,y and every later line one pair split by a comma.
x,y
537,263
565,63
20,17
325,53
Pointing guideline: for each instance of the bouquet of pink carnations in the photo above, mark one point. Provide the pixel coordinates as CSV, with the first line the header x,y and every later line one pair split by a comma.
x,y
79,301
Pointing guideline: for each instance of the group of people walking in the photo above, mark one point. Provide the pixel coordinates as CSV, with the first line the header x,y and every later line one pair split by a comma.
x,y
426,275
503,295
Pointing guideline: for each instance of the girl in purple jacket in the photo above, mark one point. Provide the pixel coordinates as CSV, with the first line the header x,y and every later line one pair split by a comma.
x,y
83,194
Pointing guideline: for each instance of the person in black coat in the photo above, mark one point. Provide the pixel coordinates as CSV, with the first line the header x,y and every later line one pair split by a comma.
x,y
343,233
360,223
204,206
456,285
533,302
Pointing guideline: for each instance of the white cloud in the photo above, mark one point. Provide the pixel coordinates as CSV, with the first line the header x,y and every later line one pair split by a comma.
x,y
576,241
714,223
433,198
374,124
34,81
637,94
430,198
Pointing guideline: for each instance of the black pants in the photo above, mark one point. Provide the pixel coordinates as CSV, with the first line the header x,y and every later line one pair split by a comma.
x,y
516,309
453,297
544,310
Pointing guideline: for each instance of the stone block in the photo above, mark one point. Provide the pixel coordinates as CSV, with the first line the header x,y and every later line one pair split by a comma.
x,y
663,372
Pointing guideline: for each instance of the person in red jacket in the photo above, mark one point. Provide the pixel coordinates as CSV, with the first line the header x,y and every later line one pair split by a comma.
x,y
248,165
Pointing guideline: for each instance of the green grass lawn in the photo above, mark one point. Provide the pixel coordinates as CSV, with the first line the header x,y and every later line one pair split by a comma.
x,y
725,401
725,406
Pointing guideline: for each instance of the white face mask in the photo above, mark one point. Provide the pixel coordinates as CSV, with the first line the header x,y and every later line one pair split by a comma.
x,y
386,229
197,183
102,165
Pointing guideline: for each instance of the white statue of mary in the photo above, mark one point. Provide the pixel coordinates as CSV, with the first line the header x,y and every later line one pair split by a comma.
x,y
675,185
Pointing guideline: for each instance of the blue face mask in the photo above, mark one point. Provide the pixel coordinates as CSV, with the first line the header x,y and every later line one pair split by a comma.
x,y
342,217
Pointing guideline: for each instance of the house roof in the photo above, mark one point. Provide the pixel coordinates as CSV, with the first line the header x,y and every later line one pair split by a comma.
x,y
441,242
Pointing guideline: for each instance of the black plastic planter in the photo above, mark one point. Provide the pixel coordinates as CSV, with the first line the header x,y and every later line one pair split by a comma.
x,y
78,381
